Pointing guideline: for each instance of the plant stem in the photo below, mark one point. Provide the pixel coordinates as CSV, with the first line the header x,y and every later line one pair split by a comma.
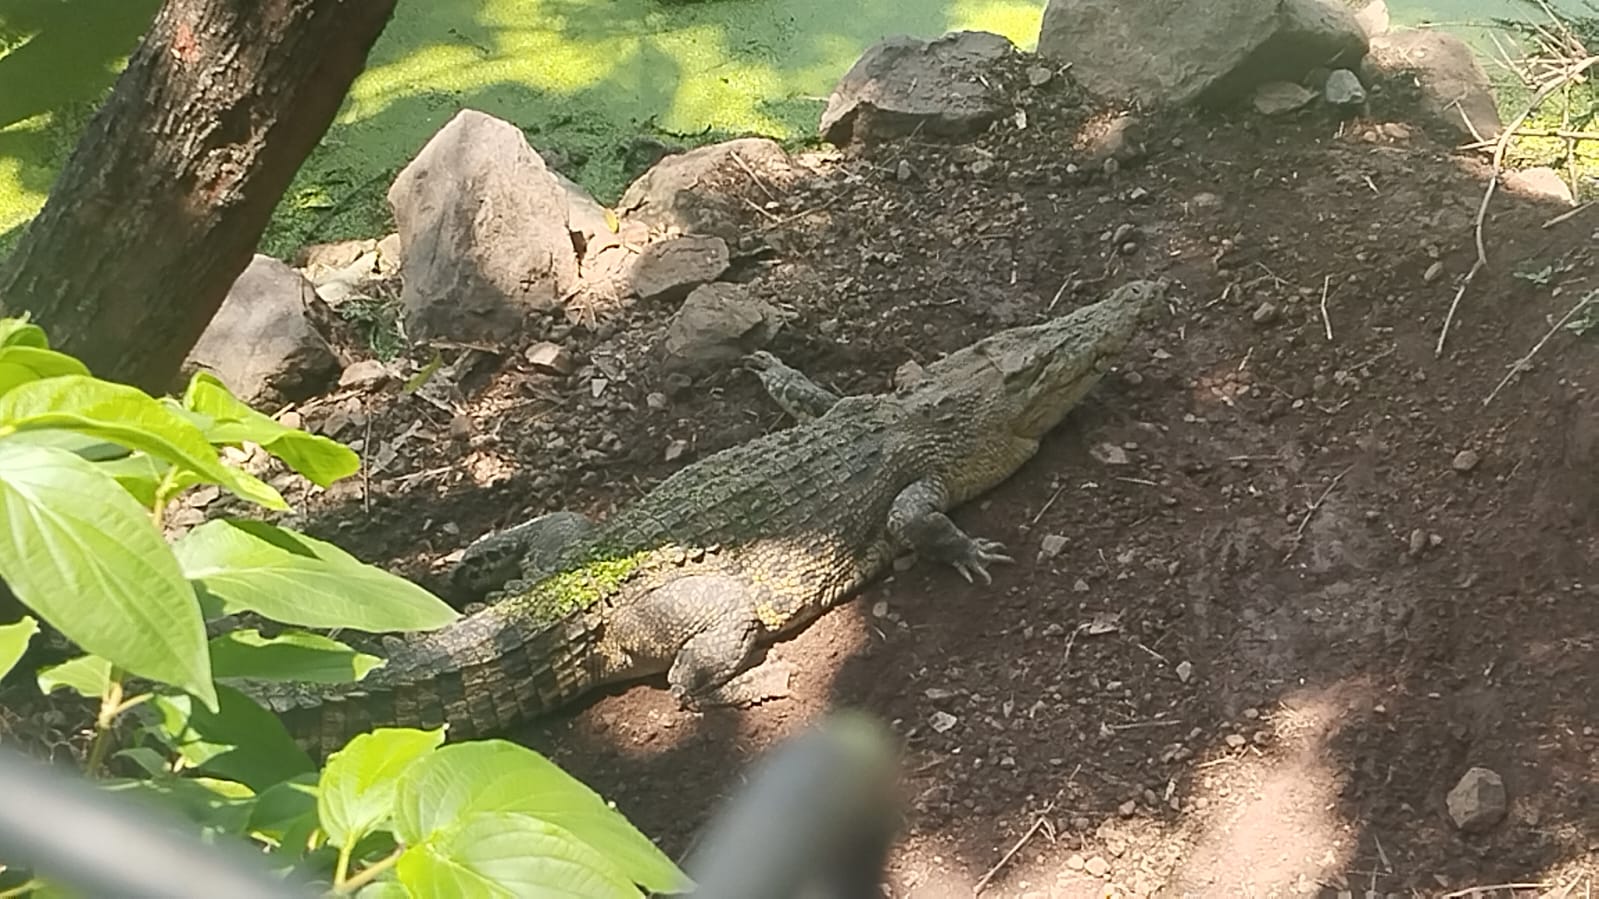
x,y
22,890
341,871
110,707
367,874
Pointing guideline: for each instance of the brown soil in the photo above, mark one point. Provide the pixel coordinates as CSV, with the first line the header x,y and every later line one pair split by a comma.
x,y
1308,623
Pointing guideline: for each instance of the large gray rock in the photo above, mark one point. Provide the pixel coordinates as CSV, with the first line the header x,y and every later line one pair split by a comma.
x,y
718,323
1478,801
903,85
667,270
1213,52
262,342
484,229
687,192
1454,88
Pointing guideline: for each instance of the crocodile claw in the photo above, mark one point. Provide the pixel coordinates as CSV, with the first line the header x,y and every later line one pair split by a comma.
x,y
980,554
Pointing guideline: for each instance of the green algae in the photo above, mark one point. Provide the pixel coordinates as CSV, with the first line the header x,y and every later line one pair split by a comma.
x,y
559,595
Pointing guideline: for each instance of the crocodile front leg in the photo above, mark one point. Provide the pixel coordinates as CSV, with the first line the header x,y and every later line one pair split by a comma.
x,y
516,552
799,396
917,520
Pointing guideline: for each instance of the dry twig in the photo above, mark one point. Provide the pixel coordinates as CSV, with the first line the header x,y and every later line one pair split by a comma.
x,y
1005,859
1327,322
1299,534
1525,362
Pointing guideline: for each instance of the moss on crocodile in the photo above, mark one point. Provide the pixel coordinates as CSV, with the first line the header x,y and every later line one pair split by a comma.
x,y
561,594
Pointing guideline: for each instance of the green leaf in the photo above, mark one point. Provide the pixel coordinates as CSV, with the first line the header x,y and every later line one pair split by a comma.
x,y
132,418
509,854
144,476
385,889
356,793
286,812
18,332
84,675
21,364
84,556
320,459
14,642
241,741
458,782
218,805
289,656
295,579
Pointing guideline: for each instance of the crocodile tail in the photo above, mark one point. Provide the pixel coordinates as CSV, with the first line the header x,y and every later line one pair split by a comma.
x,y
481,676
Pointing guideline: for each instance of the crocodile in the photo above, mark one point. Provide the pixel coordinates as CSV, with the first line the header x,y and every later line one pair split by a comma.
x,y
736,550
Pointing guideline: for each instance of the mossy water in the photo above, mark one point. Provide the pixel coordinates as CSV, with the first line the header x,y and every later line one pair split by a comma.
x,y
586,79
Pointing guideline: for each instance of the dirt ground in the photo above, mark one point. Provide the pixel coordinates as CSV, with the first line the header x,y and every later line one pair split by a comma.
x,y
1309,577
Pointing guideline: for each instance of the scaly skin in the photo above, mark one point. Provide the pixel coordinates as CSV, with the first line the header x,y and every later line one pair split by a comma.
x,y
738,549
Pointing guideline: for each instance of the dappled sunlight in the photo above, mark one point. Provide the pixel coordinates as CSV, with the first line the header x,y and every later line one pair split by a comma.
x,y
1016,19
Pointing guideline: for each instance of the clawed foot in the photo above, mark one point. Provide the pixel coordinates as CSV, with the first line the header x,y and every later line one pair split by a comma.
x,y
766,681
977,556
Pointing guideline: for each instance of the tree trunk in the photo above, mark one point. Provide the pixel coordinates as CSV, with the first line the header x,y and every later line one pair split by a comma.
x,y
162,203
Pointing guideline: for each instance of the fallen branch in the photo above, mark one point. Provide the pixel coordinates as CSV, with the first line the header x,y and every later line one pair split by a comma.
x,y
1005,860
1525,362
1299,534
1325,280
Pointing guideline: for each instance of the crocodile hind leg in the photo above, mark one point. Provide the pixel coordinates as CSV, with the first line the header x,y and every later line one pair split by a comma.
x,y
501,556
918,520
709,626
799,396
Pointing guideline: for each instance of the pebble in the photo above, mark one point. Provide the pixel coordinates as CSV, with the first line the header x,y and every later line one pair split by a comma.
x,y
1465,461
366,373
1137,195
1132,378
1236,741
1051,546
880,610
656,401
551,358
1075,861
1123,231
1080,586
1128,808
1185,671
903,172
675,450
1097,866
1110,454
1418,542
1343,88
1264,314
1038,76
1433,272
1478,801
941,721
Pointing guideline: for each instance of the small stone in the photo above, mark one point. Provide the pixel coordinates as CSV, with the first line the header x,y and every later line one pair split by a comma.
x,y
1075,861
1264,314
1132,378
903,171
675,450
1465,461
1123,232
1110,454
551,358
366,373
1343,89
939,694
1038,76
1185,671
1051,546
941,722
1097,866
1281,97
880,609
1080,586
656,401
981,167
1128,808
461,427
597,386
1418,542
292,419
1236,741
1433,272
1205,200
1478,801
1137,195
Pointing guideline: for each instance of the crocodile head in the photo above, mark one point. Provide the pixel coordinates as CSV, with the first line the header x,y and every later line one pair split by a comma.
x,y
1028,378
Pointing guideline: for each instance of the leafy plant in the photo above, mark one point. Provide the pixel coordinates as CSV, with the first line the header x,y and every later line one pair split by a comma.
x,y
88,469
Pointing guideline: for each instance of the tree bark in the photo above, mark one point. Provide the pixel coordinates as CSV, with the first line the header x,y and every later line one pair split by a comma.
x,y
163,201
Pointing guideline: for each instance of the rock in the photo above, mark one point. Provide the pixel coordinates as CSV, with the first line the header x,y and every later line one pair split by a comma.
x,y
941,721
1417,544
1264,314
1372,17
1235,741
551,358
1281,97
261,342
902,85
1478,801
320,257
1110,454
718,323
1433,273
1185,671
1540,182
389,256
1118,140
1051,546
1097,866
679,192
667,270
366,373
909,374
1455,89
484,226
1344,90
1213,52
675,450
1038,76
1465,460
